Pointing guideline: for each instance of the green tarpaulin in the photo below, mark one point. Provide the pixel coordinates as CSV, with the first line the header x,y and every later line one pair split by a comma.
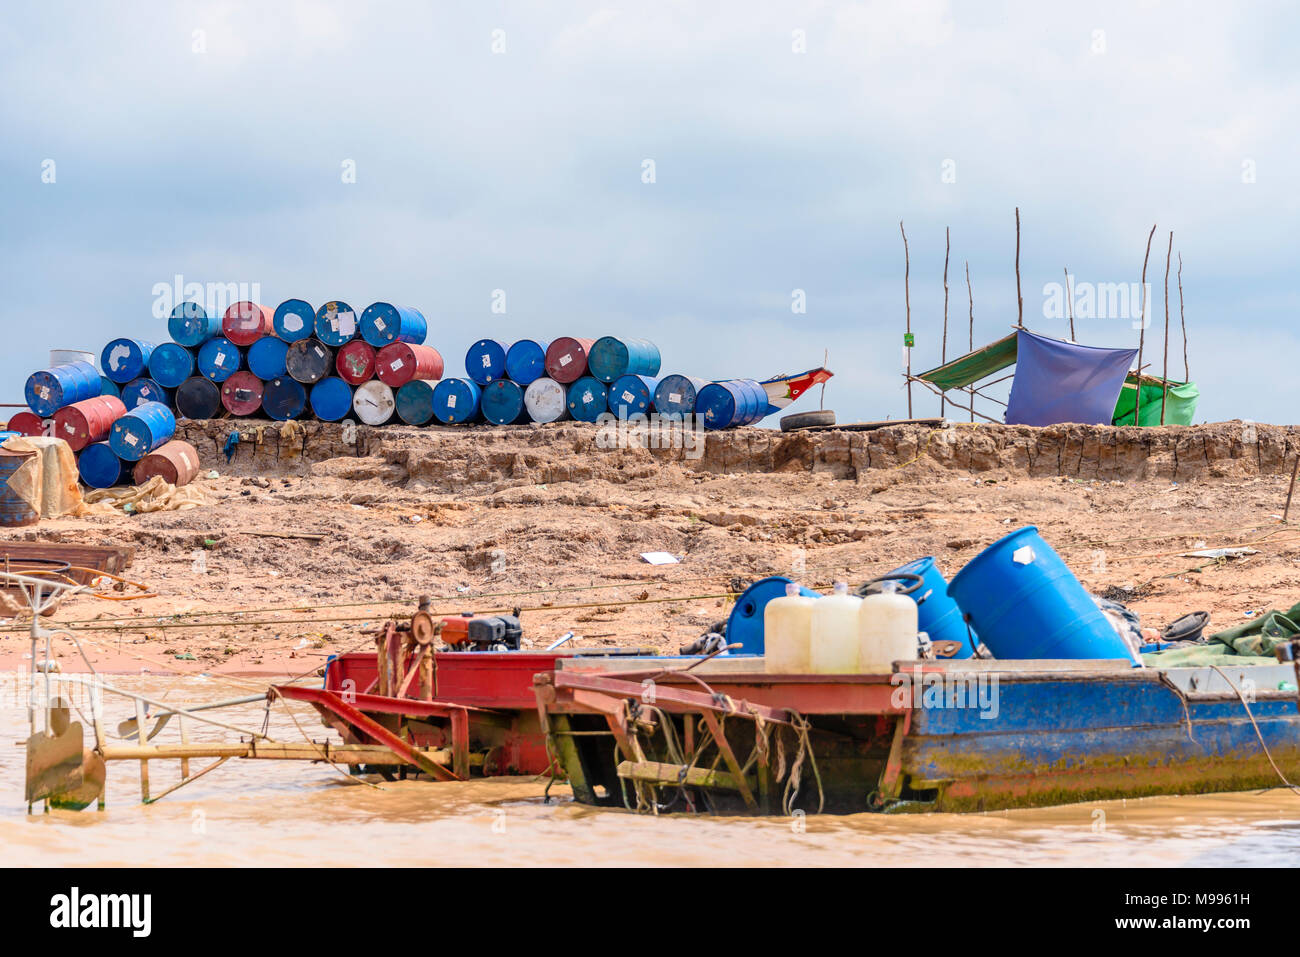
x,y
974,366
1180,402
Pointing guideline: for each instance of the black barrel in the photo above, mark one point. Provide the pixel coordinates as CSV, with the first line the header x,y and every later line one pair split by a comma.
x,y
309,360
198,398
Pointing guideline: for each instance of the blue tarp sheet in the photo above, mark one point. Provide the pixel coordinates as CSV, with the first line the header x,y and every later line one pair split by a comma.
x,y
1063,382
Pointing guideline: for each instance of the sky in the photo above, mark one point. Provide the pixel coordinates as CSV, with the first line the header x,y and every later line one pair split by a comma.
x,y
688,172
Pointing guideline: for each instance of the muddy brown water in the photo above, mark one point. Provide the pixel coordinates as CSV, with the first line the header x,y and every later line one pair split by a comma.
x,y
279,813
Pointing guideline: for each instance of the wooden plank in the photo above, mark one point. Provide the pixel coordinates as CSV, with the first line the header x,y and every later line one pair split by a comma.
x,y
655,772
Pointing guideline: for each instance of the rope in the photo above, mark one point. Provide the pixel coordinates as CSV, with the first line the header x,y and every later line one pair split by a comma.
x,y
1245,704
347,774
801,726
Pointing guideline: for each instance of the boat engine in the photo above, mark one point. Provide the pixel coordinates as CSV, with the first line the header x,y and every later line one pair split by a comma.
x,y
484,633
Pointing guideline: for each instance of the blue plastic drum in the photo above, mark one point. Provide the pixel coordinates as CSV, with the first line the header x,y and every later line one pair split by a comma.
x,y
456,401
485,361
1024,603
171,364
294,319
142,430
612,357
526,360
937,614
266,357
331,399
724,405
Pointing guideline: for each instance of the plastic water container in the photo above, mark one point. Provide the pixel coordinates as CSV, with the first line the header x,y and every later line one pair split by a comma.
x,y
485,361
382,324
939,616
745,624
588,399
1025,603
331,399
336,324
834,633
190,325
675,394
456,401
171,364
219,359
266,357
887,630
294,319
142,430
787,633
526,361
546,400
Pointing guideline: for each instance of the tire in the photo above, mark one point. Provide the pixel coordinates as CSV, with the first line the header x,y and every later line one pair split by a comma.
x,y
802,420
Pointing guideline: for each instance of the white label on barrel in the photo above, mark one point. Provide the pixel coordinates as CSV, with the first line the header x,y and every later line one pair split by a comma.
x,y
130,439
565,360
43,392
1024,555
333,320
487,361
396,364
292,322
628,396
379,324
451,402
347,323
219,359
320,352
588,397
69,428
674,397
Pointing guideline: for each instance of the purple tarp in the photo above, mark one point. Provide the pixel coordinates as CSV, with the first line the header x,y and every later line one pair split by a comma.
x,y
1063,382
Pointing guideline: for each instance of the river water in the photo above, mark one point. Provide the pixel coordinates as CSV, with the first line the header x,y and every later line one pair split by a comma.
x,y
274,813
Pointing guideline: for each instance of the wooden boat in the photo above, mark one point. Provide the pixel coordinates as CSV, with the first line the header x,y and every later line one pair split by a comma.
x,y
784,389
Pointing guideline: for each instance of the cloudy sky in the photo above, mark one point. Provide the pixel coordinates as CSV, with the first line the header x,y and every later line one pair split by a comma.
x,y
507,146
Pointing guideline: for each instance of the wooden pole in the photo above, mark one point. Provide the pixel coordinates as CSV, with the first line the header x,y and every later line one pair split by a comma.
x,y
971,347
907,299
1142,337
1069,301
1020,303
1291,488
1164,389
1182,319
943,353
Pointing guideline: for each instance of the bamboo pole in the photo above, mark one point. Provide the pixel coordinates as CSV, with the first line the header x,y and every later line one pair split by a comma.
x,y
1020,303
1182,319
1069,301
907,300
1142,337
943,353
971,345
1164,388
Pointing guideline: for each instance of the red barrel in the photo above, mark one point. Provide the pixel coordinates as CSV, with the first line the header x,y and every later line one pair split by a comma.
x,y
28,423
241,394
402,362
355,362
246,322
176,461
566,358
87,421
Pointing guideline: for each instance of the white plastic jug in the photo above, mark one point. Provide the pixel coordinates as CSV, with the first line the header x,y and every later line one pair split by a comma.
x,y
787,637
887,630
834,633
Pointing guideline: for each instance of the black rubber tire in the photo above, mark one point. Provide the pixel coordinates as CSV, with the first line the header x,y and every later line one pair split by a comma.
x,y
801,420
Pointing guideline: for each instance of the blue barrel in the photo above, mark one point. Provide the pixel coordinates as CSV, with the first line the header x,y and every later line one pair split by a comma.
x,y
190,325
526,360
14,511
108,387
1023,602
414,402
171,364
724,405
502,403
219,359
125,359
612,357
454,401
745,624
49,390
382,324
486,361
284,398
588,399
675,394
331,399
294,319
142,430
937,614
632,395
336,323
99,466
266,357
139,391
6,436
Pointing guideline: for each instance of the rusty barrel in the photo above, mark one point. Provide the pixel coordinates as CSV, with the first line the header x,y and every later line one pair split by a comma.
x,y
308,361
14,511
176,461
403,362
241,394
566,358
355,362
246,322
198,398
87,421
28,423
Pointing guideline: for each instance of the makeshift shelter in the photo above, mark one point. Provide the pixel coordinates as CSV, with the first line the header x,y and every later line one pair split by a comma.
x,y
1060,381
